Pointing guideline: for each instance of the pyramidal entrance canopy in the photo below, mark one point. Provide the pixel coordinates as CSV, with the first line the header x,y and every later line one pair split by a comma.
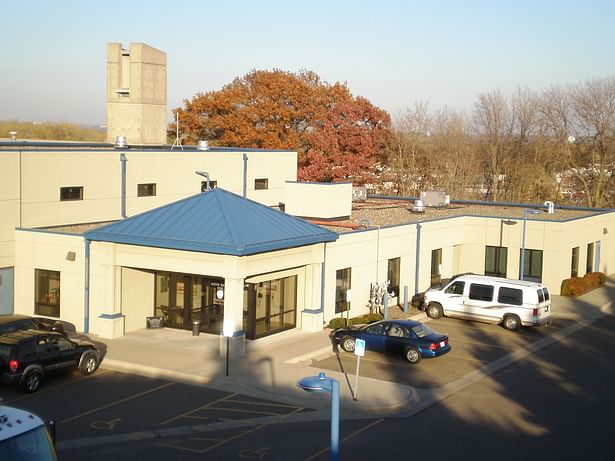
x,y
215,221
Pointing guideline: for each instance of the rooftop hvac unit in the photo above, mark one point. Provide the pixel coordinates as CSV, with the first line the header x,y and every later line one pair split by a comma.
x,y
435,199
418,207
359,193
202,145
120,142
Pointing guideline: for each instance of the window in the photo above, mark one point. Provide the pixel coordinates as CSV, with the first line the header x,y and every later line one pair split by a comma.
x,y
574,265
436,266
496,259
481,292
146,190
47,292
212,185
261,183
376,329
393,275
533,265
342,285
71,193
510,296
456,288
589,264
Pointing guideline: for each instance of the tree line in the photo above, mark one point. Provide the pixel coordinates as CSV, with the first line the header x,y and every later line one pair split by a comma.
x,y
556,144
50,131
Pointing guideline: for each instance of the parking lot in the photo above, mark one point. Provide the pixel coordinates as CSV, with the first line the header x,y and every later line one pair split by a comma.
x,y
473,345
108,407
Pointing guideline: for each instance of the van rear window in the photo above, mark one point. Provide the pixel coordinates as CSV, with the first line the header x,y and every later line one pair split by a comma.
x,y
543,294
512,296
481,292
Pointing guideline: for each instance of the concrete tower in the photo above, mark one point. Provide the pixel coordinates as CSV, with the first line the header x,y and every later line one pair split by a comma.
x,y
136,94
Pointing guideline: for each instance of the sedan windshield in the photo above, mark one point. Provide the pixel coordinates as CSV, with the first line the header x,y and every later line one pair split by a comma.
x,y
422,330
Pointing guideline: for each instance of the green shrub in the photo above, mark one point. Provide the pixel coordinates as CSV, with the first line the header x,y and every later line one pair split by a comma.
x,y
340,322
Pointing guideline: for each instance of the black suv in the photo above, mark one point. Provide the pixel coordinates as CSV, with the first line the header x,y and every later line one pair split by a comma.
x,y
9,323
27,356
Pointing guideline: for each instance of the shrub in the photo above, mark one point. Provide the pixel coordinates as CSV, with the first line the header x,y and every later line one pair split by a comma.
x,y
596,279
576,286
340,322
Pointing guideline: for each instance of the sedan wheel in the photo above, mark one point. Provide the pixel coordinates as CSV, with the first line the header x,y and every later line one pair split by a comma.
x,y
348,343
412,355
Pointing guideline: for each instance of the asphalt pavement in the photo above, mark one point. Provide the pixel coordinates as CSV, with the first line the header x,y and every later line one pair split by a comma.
x,y
272,366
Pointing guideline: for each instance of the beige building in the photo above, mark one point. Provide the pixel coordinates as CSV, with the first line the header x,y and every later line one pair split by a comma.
x,y
115,237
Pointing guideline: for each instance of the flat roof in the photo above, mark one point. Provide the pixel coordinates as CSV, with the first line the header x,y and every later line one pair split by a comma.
x,y
387,211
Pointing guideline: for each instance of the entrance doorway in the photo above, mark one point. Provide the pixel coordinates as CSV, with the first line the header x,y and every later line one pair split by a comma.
x,y
182,299
269,307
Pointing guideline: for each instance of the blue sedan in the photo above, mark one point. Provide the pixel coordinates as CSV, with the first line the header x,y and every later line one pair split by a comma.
x,y
411,339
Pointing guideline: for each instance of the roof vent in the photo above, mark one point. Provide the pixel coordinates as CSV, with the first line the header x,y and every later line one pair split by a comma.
x,y
550,207
202,145
120,142
13,135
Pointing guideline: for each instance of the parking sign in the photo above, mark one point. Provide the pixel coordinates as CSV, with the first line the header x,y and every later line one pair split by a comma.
x,y
359,347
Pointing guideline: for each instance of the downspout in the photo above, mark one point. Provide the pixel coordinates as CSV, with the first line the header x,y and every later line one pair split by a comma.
x,y
245,175
418,258
322,278
86,289
123,160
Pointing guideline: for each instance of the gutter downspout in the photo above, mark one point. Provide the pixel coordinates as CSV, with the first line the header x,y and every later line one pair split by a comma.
x,y
86,289
322,278
418,258
245,175
123,160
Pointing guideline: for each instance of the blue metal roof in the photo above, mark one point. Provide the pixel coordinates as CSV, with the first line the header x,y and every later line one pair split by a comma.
x,y
216,221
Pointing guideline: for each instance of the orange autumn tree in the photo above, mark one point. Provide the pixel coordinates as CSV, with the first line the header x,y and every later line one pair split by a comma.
x,y
282,110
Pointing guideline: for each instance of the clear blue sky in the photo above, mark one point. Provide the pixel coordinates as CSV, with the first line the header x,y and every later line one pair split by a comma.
x,y
393,52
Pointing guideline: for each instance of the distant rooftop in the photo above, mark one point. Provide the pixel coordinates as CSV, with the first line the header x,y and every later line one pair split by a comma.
x,y
39,145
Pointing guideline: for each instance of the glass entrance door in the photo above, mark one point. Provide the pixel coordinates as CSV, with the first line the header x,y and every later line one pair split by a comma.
x,y
182,299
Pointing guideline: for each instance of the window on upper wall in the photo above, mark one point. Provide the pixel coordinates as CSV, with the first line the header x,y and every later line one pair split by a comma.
x,y
146,190
495,261
533,266
436,266
261,183
47,292
574,264
393,275
71,193
212,185
342,285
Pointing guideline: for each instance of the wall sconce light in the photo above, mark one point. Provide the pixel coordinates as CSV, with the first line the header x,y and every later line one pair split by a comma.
x,y
605,230
71,256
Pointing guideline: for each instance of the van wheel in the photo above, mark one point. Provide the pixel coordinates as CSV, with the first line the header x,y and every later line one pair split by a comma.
x,y
511,322
412,355
434,311
348,343
32,381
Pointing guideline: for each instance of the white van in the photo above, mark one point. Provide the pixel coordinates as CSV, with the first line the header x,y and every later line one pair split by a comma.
x,y
512,303
24,435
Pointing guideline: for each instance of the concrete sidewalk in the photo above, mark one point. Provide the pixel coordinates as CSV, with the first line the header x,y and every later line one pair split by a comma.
x,y
273,365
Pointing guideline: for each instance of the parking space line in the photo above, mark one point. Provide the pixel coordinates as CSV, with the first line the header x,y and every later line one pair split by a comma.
x,y
469,359
454,340
235,410
109,405
194,410
344,439
46,389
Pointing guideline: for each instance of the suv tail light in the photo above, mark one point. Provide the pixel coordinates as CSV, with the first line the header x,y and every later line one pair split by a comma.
x,y
13,365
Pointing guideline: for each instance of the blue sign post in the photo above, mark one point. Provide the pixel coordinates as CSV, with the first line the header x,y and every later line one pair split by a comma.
x,y
359,351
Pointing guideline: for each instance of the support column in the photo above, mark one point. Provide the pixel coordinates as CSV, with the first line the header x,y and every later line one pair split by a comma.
x,y
233,318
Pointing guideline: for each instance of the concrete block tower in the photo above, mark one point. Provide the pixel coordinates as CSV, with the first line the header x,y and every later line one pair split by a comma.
x,y
136,94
